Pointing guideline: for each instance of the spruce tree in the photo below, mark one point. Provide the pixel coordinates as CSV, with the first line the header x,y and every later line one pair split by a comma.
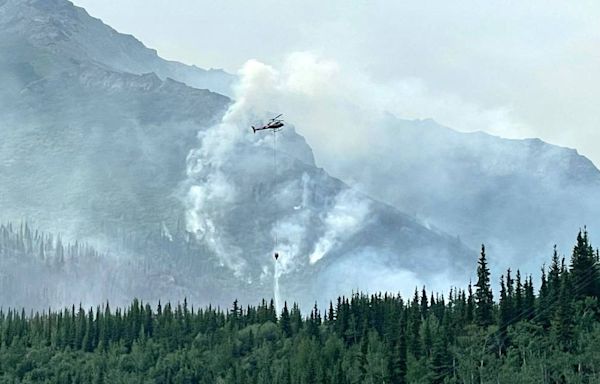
x,y
424,304
483,296
510,295
470,307
504,315
583,268
285,322
529,300
414,326
234,314
330,313
519,293
543,303
554,278
296,318
563,325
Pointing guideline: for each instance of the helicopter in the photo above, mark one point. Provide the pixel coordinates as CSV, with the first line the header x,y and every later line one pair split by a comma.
x,y
275,124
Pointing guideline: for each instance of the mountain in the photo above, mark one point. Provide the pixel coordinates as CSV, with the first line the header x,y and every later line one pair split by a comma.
x,y
71,36
519,197
105,142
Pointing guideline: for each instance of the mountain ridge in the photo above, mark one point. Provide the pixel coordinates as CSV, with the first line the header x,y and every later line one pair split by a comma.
x,y
99,153
115,132
62,27
518,196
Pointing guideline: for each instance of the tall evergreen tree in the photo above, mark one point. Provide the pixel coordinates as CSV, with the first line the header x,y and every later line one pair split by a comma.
x,y
483,296
414,326
285,321
543,302
554,277
470,307
424,303
529,300
584,268
504,315
330,313
510,295
519,293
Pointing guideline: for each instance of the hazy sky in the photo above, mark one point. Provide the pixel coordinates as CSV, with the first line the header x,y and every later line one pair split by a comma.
x,y
512,68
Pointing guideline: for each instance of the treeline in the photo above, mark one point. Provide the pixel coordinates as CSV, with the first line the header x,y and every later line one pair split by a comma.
x,y
21,243
544,334
40,269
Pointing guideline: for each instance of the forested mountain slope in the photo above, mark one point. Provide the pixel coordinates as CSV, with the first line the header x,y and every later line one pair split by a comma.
x,y
97,152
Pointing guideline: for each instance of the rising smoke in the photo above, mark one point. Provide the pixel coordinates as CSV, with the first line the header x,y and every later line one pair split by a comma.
x,y
220,180
342,221
345,118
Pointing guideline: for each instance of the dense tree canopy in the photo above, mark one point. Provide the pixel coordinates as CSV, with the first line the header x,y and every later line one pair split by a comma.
x,y
551,337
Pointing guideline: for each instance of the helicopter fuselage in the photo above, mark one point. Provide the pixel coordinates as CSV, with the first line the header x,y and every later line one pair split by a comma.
x,y
273,125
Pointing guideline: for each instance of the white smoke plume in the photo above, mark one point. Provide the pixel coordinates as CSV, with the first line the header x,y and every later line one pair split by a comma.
x,y
342,221
341,111
344,116
212,190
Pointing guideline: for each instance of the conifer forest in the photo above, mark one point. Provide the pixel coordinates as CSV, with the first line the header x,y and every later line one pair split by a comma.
x,y
279,192
522,331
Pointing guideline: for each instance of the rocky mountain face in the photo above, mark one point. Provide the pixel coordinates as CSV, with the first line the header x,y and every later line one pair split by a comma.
x,y
104,141
519,197
71,36
100,144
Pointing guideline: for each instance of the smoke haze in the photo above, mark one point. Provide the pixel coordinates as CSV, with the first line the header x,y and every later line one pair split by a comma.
x,y
528,68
